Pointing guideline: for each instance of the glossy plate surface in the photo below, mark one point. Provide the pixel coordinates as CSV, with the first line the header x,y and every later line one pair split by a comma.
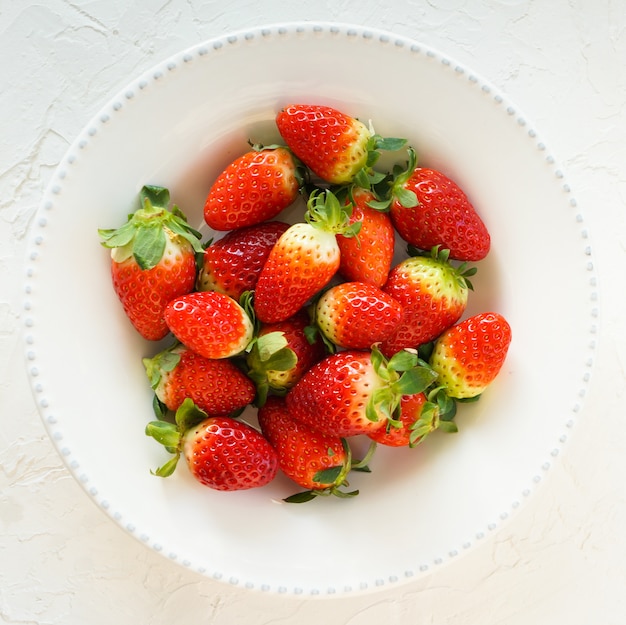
x,y
177,126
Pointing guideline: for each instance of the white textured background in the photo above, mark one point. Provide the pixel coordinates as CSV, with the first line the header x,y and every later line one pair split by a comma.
x,y
561,559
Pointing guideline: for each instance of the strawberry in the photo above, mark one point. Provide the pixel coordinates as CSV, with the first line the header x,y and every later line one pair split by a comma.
x,y
216,386
316,461
356,314
430,209
210,323
420,414
233,263
255,187
221,453
303,260
282,353
433,294
153,260
368,256
335,146
356,392
468,356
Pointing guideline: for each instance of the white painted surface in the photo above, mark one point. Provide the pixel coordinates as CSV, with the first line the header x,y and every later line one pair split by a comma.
x,y
560,559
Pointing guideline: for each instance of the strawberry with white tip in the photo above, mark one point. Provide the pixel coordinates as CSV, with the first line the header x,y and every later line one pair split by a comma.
x,y
304,259
153,260
221,453
468,356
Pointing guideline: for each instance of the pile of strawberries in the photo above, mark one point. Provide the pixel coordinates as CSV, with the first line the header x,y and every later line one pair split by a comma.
x,y
311,323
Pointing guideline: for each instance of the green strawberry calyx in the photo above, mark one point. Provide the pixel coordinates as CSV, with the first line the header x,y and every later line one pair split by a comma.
x,y
266,353
146,232
395,186
461,273
335,476
437,413
403,374
326,212
170,435
368,177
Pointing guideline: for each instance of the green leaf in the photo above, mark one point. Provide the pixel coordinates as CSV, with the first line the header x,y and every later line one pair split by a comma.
x,y
165,361
415,381
376,177
283,360
159,408
343,495
403,360
425,350
270,343
371,411
407,198
182,229
329,475
379,362
448,426
189,415
390,144
168,468
361,179
117,238
149,246
157,196
372,159
164,432
302,497
380,205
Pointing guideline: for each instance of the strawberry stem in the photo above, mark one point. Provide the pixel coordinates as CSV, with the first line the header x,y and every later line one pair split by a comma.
x,y
170,435
326,212
145,233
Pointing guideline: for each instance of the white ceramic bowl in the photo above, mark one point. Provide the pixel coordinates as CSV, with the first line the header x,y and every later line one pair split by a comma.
x,y
177,126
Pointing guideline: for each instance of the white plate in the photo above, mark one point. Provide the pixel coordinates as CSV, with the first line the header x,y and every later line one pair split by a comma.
x,y
178,126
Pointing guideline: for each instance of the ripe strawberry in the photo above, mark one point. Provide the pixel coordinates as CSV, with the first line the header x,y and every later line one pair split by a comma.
x,y
468,356
209,323
434,295
356,392
153,260
304,259
430,209
255,187
356,315
233,263
221,453
216,386
316,461
420,415
335,146
282,353
368,256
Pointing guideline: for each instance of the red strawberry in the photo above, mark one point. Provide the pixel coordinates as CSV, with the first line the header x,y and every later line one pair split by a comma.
x,y
221,453
216,386
430,209
468,356
212,324
153,260
356,315
255,187
420,414
356,392
304,259
334,145
368,256
282,353
233,263
316,461
433,294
